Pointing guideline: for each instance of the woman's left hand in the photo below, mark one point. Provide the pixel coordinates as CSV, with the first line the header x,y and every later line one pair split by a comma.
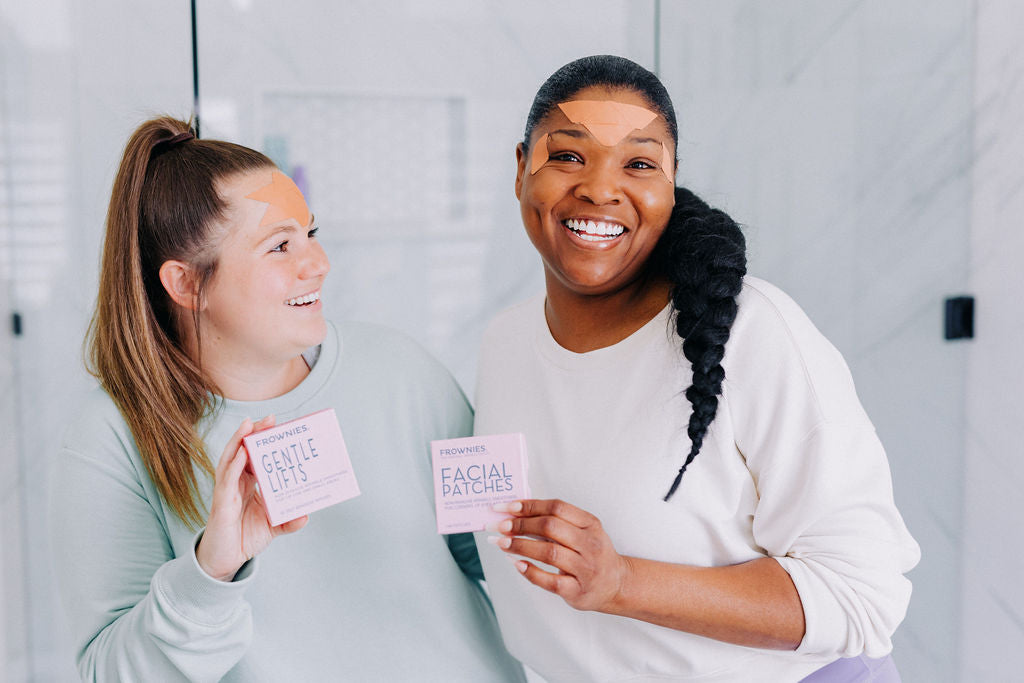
x,y
591,573
238,527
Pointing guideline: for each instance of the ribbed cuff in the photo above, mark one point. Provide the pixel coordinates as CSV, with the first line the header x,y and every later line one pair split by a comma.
x,y
196,595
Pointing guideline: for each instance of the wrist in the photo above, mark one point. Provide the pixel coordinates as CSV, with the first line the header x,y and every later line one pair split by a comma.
x,y
618,603
208,564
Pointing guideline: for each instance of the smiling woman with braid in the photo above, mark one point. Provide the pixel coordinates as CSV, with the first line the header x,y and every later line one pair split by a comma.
x,y
711,502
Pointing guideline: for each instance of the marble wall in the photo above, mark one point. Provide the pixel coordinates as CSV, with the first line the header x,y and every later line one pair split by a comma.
x,y
991,591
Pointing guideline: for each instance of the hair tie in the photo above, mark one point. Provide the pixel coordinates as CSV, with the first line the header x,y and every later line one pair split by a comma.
x,y
169,143
181,137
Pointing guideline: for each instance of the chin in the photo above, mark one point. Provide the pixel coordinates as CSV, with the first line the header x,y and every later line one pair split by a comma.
x,y
305,336
591,283
317,334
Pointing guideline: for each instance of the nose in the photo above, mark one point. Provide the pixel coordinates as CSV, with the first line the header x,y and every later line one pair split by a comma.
x,y
314,262
599,185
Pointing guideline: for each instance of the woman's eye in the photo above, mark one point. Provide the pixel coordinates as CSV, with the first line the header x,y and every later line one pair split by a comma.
x,y
564,156
640,163
312,233
281,248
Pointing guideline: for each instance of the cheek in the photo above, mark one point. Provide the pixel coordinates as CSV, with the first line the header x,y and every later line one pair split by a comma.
x,y
272,282
531,208
255,282
657,206
539,197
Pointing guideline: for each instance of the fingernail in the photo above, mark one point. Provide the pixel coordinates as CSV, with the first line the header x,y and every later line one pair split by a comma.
x,y
503,542
503,527
521,566
508,507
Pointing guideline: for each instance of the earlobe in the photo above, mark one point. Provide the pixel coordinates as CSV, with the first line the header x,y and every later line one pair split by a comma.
x,y
520,168
179,282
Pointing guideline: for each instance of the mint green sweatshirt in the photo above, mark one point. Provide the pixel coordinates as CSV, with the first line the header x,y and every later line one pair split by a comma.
x,y
368,591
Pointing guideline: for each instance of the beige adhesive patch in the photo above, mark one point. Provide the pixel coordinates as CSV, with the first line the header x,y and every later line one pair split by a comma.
x,y
539,155
668,164
284,200
606,120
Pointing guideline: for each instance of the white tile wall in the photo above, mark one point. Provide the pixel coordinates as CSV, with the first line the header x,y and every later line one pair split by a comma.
x,y
992,593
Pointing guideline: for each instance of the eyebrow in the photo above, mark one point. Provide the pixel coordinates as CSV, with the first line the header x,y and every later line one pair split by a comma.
x,y
571,132
287,227
273,232
581,134
642,141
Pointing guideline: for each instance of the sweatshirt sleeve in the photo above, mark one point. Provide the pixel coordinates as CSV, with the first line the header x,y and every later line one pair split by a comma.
x,y
136,612
825,502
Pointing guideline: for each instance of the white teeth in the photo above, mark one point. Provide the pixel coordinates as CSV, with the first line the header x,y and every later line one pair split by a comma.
x,y
305,299
594,231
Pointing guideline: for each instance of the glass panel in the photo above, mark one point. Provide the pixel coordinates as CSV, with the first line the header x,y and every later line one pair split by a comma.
x,y
67,104
401,121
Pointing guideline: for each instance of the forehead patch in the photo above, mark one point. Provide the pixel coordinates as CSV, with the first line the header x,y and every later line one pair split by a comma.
x,y
606,120
284,200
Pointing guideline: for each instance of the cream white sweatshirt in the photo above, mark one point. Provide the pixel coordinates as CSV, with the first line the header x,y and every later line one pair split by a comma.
x,y
791,468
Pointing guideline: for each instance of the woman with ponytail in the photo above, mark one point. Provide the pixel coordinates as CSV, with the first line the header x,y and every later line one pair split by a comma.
x,y
209,317
712,503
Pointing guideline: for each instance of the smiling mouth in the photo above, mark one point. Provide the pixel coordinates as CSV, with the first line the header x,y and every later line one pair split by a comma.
x,y
594,231
305,299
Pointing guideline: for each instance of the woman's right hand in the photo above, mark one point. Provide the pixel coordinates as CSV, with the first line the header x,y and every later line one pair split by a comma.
x,y
237,528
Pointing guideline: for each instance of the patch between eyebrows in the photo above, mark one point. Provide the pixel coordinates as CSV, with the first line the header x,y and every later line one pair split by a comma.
x,y
284,200
606,120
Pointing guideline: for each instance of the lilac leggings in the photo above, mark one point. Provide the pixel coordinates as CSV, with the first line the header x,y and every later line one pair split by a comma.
x,y
856,670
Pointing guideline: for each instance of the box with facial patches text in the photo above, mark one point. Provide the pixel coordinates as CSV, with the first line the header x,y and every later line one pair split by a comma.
x,y
473,473
301,466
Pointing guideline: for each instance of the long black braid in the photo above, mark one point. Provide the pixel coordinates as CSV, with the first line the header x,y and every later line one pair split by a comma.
x,y
702,251
704,255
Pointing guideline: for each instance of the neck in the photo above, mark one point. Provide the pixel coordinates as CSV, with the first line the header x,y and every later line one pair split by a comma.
x,y
243,377
584,322
247,382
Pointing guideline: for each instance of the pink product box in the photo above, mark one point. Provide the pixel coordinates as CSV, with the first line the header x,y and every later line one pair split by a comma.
x,y
301,466
473,473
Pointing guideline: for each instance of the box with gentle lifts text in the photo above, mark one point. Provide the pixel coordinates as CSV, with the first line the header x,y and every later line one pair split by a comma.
x,y
473,473
301,466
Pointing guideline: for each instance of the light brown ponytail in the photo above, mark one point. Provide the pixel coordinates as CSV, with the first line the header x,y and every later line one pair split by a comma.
x,y
164,205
